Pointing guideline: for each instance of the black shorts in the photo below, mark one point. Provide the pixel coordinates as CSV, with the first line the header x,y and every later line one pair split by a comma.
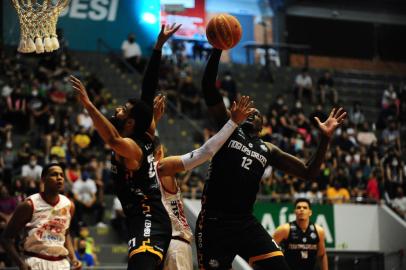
x,y
220,239
150,232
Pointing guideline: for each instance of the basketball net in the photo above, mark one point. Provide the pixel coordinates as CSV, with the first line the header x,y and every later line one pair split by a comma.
x,y
38,24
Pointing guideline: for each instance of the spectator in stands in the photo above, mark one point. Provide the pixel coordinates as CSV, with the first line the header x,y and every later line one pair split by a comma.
x,y
318,112
37,106
325,85
118,221
229,85
73,171
391,135
390,101
59,147
84,192
132,52
5,134
32,170
84,121
372,190
82,255
399,203
17,110
336,193
192,184
276,106
304,84
84,234
190,98
8,204
365,135
300,191
314,195
356,115
393,169
81,140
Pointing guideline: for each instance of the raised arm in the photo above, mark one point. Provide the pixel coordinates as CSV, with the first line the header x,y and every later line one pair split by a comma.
x,y
125,147
151,75
309,170
211,94
171,165
20,218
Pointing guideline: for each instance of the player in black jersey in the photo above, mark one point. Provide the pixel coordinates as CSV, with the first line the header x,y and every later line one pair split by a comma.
x,y
226,225
130,135
301,240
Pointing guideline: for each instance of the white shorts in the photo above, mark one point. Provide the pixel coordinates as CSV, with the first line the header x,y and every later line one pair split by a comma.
x,y
41,264
179,256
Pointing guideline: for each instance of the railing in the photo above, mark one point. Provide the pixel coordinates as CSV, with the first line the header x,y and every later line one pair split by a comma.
x,y
103,46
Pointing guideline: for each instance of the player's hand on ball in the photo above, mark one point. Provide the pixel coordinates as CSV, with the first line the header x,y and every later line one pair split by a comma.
x,y
80,90
241,110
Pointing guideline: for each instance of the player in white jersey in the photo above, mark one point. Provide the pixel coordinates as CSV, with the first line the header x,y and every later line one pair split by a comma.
x,y
182,235
179,254
46,218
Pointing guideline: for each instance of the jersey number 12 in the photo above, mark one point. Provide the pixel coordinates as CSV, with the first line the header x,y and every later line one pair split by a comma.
x,y
246,162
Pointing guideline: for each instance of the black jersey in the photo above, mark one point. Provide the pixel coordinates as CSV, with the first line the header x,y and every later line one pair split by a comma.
x,y
235,173
300,248
134,187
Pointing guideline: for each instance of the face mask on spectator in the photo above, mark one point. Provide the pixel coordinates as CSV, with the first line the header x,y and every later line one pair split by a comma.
x,y
33,163
82,250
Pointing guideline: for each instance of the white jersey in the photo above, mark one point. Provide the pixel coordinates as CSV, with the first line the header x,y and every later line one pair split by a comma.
x,y
47,228
174,206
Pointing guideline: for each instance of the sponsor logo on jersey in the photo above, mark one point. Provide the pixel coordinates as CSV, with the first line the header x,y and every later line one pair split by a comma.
x,y
239,146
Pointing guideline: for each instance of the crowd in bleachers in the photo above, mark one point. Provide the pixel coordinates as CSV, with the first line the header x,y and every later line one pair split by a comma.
x,y
40,122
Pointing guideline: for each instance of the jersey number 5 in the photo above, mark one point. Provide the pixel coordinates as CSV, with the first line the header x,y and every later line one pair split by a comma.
x,y
246,162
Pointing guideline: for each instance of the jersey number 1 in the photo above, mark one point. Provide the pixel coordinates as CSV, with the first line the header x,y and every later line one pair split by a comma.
x,y
246,162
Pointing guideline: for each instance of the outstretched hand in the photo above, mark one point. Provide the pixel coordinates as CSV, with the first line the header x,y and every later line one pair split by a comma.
x,y
159,107
334,120
241,110
166,32
80,90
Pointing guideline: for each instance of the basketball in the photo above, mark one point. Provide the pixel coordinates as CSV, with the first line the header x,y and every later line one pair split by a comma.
x,y
223,31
